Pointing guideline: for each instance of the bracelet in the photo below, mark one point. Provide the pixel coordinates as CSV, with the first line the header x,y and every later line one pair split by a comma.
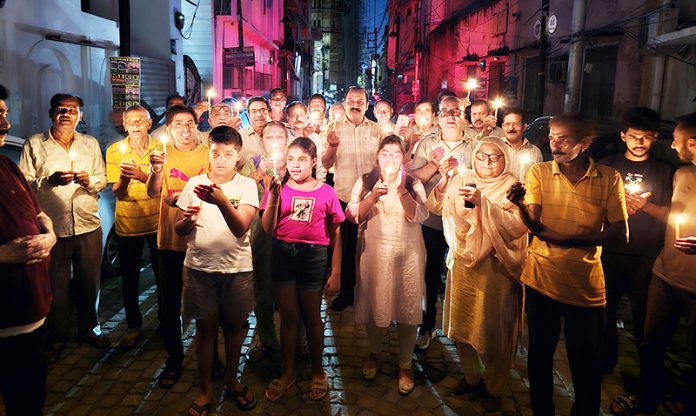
x,y
333,145
154,169
403,193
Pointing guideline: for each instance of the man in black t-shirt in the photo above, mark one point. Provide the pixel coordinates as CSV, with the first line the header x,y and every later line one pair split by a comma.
x,y
648,188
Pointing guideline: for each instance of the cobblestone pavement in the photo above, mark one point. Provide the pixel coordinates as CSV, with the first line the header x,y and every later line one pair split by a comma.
x,y
112,382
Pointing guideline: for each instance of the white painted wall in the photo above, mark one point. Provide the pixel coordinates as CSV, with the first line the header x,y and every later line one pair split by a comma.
x,y
34,68
199,45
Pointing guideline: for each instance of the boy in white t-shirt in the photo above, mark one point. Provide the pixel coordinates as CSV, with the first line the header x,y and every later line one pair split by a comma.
x,y
216,210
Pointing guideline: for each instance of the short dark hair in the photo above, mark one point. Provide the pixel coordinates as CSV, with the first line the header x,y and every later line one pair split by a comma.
x,y
688,123
260,99
173,97
358,88
384,100
294,104
319,96
424,101
578,123
59,98
179,109
226,135
515,110
481,102
640,118
275,90
4,93
445,93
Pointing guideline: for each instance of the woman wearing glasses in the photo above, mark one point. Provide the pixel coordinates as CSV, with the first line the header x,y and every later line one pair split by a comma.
x,y
388,206
488,245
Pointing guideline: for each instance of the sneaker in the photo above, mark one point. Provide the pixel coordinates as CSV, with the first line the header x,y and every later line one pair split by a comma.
x,y
423,340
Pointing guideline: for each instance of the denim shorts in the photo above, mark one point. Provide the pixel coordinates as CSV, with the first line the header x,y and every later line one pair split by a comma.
x,y
227,296
305,265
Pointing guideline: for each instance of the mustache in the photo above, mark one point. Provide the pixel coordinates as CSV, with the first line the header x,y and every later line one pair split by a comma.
x,y
4,131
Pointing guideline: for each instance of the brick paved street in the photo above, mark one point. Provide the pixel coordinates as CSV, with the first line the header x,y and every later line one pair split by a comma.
x,y
112,382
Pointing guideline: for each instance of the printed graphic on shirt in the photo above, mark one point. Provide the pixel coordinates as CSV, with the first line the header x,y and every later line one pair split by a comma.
x,y
302,208
633,183
234,200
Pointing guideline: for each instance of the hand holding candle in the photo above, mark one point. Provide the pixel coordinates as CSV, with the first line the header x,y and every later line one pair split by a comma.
x,y
497,104
679,219
71,156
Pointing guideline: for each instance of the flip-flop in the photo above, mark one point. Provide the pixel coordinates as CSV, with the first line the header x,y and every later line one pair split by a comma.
x,y
200,408
170,374
405,385
277,390
369,373
258,353
236,395
319,386
625,405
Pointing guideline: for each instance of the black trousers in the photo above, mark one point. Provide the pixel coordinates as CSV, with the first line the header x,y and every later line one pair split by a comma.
x,y
583,336
171,265
130,251
666,305
349,240
629,275
435,247
23,372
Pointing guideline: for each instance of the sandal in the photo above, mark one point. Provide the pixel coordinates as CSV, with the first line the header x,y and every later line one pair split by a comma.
x,y
625,405
238,396
406,384
369,372
168,377
200,409
130,339
674,405
319,388
258,353
277,390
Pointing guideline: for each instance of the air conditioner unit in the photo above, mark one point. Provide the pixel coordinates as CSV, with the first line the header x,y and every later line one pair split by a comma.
x,y
661,22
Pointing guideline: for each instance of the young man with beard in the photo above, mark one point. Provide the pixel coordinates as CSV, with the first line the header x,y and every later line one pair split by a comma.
x,y
170,170
672,291
351,148
648,189
136,215
522,153
26,239
573,206
66,170
435,156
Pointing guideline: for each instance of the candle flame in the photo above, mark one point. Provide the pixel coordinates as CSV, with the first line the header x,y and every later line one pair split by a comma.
x,y
122,147
498,102
71,155
633,188
210,93
471,84
680,219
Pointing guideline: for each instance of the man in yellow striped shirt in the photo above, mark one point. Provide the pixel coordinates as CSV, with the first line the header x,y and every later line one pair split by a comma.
x,y
137,214
573,207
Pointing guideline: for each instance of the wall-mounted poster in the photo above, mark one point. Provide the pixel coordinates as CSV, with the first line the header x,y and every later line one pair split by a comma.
x,y
125,81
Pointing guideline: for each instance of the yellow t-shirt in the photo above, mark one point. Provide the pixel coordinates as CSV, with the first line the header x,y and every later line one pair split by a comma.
x,y
179,167
572,275
137,214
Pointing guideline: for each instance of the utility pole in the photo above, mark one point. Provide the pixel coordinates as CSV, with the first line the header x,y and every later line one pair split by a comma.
x,y
575,53
543,43
242,70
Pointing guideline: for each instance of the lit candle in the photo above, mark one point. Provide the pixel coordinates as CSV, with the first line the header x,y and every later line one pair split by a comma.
x,y
210,94
470,85
122,148
71,155
387,173
274,155
633,188
525,161
238,106
164,139
497,104
679,219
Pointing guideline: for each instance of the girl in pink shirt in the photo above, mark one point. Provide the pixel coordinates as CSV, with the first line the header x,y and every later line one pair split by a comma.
x,y
303,216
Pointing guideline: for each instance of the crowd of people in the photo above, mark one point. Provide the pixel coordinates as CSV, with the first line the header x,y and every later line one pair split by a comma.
x,y
306,203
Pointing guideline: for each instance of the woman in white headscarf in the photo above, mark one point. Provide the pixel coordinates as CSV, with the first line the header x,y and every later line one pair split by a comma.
x,y
488,244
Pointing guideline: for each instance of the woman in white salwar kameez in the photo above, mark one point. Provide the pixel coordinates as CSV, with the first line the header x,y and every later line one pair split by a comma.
x,y
482,308
388,206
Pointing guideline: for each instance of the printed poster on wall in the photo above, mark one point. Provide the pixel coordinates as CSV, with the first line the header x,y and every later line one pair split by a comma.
x,y
125,81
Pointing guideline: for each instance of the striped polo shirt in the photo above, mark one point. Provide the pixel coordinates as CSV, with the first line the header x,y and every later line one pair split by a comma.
x,y
572,275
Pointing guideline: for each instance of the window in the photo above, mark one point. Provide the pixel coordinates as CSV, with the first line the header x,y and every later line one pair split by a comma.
x,y
558,69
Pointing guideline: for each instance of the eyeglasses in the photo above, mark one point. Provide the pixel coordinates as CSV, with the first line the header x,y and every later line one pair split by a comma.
x,y
66,110
262,111
451,113
493,157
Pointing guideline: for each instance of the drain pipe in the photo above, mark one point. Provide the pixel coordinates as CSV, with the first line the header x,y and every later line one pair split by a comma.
x,y
575,57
